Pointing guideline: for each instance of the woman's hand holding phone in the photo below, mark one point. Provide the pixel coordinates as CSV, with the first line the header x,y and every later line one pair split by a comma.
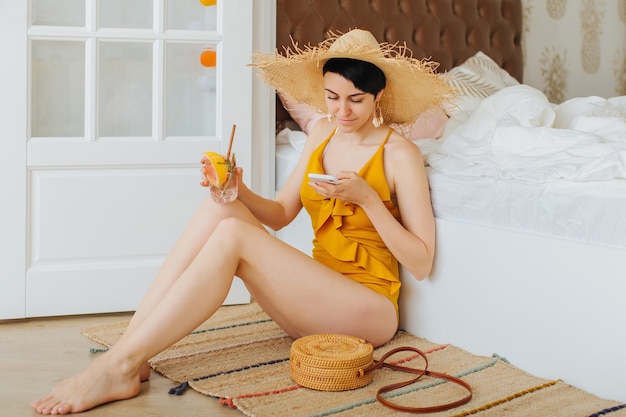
x,y
331,179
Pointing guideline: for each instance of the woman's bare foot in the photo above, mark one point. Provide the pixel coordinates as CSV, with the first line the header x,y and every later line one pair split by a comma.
x,y
100,383
144,372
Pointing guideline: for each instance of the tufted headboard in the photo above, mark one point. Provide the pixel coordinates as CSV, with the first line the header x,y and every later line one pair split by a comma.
x,y
446,31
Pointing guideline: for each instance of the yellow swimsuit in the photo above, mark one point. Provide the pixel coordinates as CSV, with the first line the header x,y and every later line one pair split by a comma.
x,y
345,239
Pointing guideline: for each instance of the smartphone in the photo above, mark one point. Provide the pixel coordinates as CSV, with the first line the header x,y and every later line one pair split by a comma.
x,y
324,178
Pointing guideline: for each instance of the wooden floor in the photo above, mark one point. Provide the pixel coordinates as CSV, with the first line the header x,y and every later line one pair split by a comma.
x,y
36,354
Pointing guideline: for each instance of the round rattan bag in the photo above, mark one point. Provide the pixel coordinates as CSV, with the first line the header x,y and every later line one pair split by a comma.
x,y
331,362
335,362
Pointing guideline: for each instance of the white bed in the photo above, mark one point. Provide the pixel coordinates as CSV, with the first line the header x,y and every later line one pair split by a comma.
x,y
530,205
531,220
529,265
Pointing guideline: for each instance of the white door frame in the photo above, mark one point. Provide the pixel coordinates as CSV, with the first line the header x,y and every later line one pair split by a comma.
x,y
13,77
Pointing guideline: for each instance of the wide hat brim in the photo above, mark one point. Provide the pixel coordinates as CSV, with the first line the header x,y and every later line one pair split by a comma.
x,y
413,86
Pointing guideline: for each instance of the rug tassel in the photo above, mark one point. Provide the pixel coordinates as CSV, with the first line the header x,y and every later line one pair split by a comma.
x,y
180,389
608,410
502,358
228,402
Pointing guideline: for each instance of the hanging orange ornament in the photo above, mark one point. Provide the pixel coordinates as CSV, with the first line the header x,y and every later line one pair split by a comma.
x,y
208,58
208,2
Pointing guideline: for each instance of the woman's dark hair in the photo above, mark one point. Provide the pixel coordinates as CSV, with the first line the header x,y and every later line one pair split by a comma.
x,y
365,76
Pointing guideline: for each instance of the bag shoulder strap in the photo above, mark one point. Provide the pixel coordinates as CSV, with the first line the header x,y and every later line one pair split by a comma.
x,y
420,373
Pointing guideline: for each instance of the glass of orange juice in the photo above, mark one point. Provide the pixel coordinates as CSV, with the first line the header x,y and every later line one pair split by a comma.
x,y
219,175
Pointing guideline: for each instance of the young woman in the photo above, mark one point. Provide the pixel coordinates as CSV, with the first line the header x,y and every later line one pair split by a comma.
x,y
378,214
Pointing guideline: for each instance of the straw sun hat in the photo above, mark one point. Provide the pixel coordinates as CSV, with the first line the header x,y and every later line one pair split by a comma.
x,y
412,87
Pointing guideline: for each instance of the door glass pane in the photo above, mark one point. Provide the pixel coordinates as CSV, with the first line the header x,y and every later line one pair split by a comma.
x,y
191,15
125,88
125,14
190,92
58,12
57,88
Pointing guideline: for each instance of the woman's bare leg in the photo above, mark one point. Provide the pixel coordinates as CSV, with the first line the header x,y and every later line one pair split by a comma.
x,y
113,376
300,294
197,232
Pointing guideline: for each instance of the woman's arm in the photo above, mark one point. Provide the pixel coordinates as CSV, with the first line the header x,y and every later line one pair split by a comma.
x,y
269,212
413,241
279,212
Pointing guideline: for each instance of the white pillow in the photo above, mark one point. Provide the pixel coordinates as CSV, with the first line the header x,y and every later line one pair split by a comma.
x,y
476,79
430,125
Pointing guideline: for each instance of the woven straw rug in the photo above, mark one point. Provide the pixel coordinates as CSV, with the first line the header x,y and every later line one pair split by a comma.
x,y
242,357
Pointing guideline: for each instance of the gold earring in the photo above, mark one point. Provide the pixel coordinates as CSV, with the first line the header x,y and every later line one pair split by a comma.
x,y
377,120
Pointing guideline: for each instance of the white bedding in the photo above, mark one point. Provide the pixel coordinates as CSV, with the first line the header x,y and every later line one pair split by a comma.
x,y
517,134
521,163
289,144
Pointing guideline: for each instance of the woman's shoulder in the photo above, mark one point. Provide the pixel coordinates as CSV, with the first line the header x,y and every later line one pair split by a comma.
x,y
399,146
397,141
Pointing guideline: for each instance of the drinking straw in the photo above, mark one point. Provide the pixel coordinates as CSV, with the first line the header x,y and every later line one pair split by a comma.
x,y
230,145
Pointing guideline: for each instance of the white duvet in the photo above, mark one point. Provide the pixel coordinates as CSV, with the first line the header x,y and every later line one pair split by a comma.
x,y
517,134
521,163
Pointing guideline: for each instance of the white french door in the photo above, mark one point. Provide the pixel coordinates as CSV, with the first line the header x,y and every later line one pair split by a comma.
x,y
106,110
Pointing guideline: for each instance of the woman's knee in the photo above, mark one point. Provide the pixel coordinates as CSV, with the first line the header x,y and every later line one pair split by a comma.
x,y
221,211
217,209
230,229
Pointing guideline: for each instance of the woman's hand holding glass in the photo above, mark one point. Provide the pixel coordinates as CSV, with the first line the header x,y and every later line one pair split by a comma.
x,y
219,173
